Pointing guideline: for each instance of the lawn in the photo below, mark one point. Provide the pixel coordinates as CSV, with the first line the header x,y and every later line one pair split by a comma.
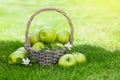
x,y
97,36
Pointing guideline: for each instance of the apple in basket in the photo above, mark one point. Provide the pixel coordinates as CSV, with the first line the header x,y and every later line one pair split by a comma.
x,y
17,55
34,36
56,46
79,57
67,60
47,35
63,36
38,46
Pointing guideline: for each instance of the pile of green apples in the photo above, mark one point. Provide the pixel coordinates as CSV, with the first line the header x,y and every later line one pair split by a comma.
x,y
41,39
48,38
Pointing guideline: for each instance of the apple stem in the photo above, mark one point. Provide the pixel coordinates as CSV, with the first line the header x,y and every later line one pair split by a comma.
x,y
68,59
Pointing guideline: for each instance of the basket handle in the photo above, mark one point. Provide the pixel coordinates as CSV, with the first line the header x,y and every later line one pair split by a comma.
x,y
27,42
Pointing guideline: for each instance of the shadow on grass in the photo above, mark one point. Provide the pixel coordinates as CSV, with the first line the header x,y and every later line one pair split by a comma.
x,y
93,53
7,47
96,54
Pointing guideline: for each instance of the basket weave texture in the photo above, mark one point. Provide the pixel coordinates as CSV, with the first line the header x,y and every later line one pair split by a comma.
x,y
46,57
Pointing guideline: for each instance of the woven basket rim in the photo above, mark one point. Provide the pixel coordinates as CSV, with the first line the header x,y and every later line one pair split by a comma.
x,y
47,50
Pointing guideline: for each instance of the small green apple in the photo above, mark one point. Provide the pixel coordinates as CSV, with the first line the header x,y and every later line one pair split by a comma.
x,y
20,53
79,57
47,35
38,46
34,36
63,36
67,60
56,46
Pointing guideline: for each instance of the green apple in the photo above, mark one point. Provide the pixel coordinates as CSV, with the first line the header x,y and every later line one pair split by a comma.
x,y
67,60
56,46
79,57
47,35
20,53
38,46
21,49
34,36
63,36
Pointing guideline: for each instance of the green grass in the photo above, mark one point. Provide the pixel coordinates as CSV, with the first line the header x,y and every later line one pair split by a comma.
x,y
97,35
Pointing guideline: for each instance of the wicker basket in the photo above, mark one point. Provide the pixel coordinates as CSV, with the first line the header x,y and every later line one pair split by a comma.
x,y
46,57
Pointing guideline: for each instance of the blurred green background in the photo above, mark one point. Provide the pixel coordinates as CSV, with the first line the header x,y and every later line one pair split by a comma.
x,y
94,21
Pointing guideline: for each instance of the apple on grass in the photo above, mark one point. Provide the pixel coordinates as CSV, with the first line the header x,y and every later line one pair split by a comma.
x,y
20,53
67,60
79,57
34,36
47,35
38,46
63,36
